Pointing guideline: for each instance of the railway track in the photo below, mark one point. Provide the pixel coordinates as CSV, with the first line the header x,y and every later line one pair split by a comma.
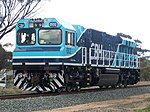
x,y
84,90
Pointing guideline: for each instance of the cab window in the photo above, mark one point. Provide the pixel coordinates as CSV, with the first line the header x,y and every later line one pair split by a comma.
x,y
50,36
70,38
26,36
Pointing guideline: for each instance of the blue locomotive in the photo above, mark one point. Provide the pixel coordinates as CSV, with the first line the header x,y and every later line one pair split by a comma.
x,y
53,55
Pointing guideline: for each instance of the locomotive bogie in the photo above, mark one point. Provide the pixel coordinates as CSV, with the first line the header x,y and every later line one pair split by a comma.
x,y
74,77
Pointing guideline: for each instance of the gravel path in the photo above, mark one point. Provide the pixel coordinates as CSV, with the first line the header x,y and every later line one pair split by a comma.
x,y
51,102
128,104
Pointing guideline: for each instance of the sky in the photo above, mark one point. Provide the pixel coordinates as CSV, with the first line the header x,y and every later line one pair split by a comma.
x,y
131,17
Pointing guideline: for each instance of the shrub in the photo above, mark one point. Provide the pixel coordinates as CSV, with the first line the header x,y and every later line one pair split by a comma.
x,y
145,73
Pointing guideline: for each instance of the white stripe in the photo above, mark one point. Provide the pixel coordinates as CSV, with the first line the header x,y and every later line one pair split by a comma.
x,y
62,71
53,86
16,78
35,57
35,63
28,88
33,89
2,77
5,74
55,63
75,64
2,84
16,63
42,63
61,77
81,35
40,88
112,69
24,86
20,82
57,82
47,89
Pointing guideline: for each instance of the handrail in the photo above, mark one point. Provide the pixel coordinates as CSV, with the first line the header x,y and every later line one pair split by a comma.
x,y
84,55
3,78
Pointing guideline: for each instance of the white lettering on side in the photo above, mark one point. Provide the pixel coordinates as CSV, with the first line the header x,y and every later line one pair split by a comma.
x,y
97,50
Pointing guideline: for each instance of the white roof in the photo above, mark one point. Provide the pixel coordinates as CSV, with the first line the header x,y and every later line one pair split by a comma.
x,y
131,40
66,25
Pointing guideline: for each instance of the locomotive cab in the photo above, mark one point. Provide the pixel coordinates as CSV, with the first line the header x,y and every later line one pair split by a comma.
x,y
49,40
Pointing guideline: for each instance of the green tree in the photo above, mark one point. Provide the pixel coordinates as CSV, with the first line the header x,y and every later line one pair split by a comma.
x,y
144,61
145,73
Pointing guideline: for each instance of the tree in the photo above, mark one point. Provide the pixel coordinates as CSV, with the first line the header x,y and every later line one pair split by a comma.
x,y
8,63
13,10
2,57
144,61
5,59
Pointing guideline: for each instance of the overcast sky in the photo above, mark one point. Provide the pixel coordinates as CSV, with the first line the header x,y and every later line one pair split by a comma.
x,y
130,17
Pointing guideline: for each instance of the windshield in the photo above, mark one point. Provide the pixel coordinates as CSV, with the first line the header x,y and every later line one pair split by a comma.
x,y
26,36
50,36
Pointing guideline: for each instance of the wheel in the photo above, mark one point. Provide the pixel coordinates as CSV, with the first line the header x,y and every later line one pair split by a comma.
x,y
114,86
59,90
125,83
78,88
120,85
68,88
100,87
106,87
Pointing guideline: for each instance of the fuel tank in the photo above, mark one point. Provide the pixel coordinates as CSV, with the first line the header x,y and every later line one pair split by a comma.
x,y
109,77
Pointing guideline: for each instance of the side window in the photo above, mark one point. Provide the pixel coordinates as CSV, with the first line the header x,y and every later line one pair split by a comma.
x,y
70,38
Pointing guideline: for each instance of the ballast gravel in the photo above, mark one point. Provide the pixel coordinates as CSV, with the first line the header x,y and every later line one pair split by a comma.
x,y
51,102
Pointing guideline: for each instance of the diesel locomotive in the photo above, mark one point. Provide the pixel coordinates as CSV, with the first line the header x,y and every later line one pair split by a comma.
x,y
53,55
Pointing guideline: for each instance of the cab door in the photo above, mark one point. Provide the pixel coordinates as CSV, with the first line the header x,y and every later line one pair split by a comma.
x,y
70,42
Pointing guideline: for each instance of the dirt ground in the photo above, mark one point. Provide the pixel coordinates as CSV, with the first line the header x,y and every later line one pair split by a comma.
x,y
128,104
